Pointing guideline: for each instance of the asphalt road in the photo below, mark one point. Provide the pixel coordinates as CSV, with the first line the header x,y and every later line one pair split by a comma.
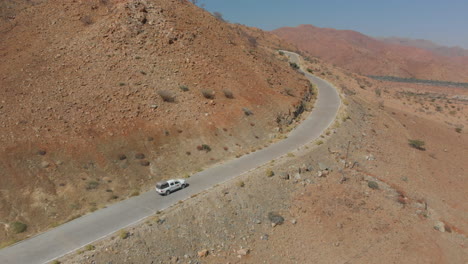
x,y
73,235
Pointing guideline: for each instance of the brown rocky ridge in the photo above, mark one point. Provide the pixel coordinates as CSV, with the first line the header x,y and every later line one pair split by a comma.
x,y
364,55
101,99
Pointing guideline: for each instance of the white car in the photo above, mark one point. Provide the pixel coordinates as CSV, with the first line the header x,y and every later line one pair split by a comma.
x,y
166,187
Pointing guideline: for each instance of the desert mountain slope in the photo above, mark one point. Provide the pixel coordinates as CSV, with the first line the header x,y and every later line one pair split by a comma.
x,y
82,119
427,45
368,56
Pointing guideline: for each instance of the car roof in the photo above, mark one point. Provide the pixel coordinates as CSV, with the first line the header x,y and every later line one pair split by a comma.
x,y
169,181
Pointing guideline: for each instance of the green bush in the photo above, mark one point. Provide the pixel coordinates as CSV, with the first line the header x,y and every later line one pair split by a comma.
x,y
270,173
206,148
417,144
124,234
90,247
294,65
458,129
281,53
18,227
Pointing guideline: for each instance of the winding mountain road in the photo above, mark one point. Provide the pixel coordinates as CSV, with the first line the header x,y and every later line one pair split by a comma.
x,y
73,235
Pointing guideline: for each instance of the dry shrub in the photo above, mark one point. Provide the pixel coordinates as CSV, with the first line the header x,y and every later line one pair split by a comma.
x,y
228,94
166,96
208,94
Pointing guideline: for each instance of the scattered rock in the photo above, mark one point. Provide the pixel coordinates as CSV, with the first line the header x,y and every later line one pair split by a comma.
x,y
323,166
322,173
122,157
265,237
45,164
294,221
284,175
257,221
297,176
41,152
243,251
275,218
439,226
203,253
370,157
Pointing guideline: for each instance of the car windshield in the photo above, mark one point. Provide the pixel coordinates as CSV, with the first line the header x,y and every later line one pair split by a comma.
x,y
162,185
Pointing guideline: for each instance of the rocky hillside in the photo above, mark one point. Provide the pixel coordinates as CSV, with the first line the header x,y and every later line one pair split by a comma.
x,y
100,99
368,56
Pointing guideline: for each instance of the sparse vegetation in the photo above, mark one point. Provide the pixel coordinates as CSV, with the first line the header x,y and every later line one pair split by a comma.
x,y
166,96
86,20
204,147
281,53
124,234
289,91
208,94
417,144
218,16
55,262
319,142
373,185
247,112
378,92
18,227
90,247
458,129
92,185
294,65
275,218
270,173
144,163
240,184
135,193
228,94
139,156
184,88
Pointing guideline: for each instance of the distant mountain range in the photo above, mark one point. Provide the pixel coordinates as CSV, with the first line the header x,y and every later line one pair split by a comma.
x,y
371,56
427,45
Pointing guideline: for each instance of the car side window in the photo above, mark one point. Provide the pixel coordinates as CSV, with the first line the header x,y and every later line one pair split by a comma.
x,y
177,182
172,183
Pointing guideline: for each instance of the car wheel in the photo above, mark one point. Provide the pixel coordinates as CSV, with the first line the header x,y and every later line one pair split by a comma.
x,y
184,185
168,192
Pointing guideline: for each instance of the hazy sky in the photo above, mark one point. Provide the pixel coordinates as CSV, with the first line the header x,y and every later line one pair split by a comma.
x,y
442,21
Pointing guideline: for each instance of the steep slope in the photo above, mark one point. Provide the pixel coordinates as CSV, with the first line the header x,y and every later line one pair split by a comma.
x,y
368,56
82,116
